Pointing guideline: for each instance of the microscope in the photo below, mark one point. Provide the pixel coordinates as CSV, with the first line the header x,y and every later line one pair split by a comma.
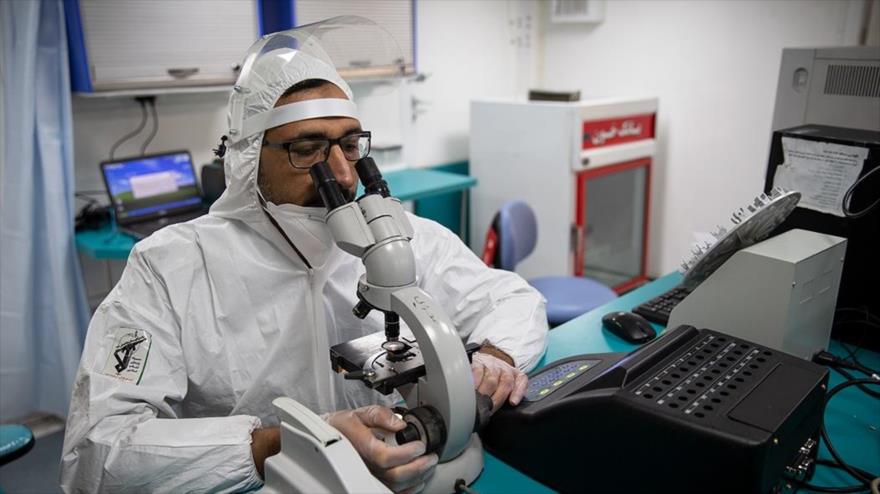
x,y
429,366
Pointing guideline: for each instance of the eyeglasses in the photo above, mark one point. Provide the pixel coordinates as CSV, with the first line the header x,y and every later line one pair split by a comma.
x,y
303,153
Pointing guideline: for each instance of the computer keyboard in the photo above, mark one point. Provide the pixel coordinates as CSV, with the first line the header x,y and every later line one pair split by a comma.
x,y
658,308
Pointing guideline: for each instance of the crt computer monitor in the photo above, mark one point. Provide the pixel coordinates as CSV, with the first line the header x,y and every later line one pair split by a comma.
x,y
150,186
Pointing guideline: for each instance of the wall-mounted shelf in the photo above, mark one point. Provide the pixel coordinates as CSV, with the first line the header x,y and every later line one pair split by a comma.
x,y
131,93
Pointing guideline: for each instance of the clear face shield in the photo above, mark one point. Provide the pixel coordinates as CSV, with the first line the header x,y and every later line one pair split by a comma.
x,y
345,47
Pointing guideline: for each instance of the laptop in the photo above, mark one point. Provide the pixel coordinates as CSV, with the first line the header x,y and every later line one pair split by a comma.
x,y
152,191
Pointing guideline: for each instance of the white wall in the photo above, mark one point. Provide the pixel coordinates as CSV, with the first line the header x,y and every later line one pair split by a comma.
x,y
714,66
470,50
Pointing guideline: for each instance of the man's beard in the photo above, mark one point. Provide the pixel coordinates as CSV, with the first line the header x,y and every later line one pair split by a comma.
x,y
317,202
274,193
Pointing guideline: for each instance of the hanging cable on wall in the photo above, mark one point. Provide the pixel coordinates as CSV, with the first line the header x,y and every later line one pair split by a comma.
x,y
136,131
847,198
152,101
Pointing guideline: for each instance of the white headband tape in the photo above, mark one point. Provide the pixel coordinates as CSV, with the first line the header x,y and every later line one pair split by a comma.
x,y
301,110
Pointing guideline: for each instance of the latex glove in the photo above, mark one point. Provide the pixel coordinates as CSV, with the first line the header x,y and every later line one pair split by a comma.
x,y
497,379
403,468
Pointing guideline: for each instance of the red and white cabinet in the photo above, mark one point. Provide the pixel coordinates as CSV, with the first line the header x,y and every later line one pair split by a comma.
x,y
584,167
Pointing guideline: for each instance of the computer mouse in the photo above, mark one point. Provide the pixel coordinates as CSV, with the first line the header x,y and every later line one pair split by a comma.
x,y
631,327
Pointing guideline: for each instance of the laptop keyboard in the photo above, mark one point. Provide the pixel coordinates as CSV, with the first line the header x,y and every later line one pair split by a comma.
x,y
145,229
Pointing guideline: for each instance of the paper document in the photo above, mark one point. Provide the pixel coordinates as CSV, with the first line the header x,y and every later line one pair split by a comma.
x,y
821,171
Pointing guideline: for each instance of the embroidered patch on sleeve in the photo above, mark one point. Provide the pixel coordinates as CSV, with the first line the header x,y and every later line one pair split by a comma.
x,y
128,355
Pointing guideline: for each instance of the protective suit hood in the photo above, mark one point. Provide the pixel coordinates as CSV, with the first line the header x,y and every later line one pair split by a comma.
x,y
270,76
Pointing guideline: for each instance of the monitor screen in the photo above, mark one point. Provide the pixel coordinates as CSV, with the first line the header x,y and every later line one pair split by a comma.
x,y
151,184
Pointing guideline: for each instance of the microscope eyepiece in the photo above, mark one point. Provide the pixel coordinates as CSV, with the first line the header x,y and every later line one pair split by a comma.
x,y
371,177
327,186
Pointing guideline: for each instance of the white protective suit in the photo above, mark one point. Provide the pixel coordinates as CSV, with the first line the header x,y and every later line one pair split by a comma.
x,y
224,316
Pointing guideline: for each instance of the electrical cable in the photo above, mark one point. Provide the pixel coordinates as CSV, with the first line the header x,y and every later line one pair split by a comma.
x,y
862,311
861,387
801,484
827,358
86,197
838,365
134,132
461,487
862,476
848,196
152,102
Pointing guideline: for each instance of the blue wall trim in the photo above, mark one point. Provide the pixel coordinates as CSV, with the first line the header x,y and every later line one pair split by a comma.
x,y
415,39
260,29
76,49
275,15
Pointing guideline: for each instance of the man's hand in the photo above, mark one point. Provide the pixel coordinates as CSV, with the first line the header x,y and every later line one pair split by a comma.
x,y
402,468
498,379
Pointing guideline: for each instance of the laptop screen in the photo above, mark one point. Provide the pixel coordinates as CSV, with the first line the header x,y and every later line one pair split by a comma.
x,y
146,186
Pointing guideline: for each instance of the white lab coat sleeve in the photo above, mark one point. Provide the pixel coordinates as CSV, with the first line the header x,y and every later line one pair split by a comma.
x,y
485,304
126,436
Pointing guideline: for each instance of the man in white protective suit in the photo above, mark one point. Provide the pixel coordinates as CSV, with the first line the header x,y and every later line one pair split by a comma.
x,y
214,318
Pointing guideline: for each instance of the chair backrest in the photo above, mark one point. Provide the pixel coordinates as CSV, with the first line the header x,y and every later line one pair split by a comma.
x,y
518,233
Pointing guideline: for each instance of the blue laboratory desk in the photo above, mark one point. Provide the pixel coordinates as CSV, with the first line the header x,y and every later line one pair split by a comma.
x,y
407,185
852,417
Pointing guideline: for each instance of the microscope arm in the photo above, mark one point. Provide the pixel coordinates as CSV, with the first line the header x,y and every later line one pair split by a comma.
x,y
448,382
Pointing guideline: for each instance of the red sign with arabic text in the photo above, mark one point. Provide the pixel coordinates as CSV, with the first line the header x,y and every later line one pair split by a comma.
x,y
600,133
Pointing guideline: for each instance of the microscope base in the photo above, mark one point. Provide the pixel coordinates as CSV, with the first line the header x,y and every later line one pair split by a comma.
x,y
468,466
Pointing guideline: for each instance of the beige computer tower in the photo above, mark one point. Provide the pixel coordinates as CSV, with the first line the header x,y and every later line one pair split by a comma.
x,y
780,293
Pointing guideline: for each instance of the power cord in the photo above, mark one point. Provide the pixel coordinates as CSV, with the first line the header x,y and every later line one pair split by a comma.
x,y
152,101
848,196
461,487
819,488
838,364
863,476
136,131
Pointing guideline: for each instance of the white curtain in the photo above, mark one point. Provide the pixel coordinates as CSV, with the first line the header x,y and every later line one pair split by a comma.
x,y
43,309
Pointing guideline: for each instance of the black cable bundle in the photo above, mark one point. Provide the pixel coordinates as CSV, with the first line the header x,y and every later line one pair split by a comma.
x,y
93,215
863,477
152,102
143,101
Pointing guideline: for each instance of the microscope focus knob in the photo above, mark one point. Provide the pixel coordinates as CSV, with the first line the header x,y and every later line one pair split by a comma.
x,y
484,411
426,424
408,434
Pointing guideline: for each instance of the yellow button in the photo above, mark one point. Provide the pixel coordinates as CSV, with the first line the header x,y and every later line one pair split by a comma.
x,y
544,391
583,367
557,383
570,375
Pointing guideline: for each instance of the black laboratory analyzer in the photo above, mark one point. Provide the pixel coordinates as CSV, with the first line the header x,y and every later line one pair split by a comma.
x,y
694,411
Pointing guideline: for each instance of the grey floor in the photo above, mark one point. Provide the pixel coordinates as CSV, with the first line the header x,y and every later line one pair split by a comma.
x,y
37,471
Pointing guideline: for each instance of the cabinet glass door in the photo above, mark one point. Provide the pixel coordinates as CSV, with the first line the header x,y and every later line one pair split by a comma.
x,y
612,202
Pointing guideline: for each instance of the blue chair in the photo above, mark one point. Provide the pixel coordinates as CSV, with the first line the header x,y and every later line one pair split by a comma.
x,y
567,296
15,441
